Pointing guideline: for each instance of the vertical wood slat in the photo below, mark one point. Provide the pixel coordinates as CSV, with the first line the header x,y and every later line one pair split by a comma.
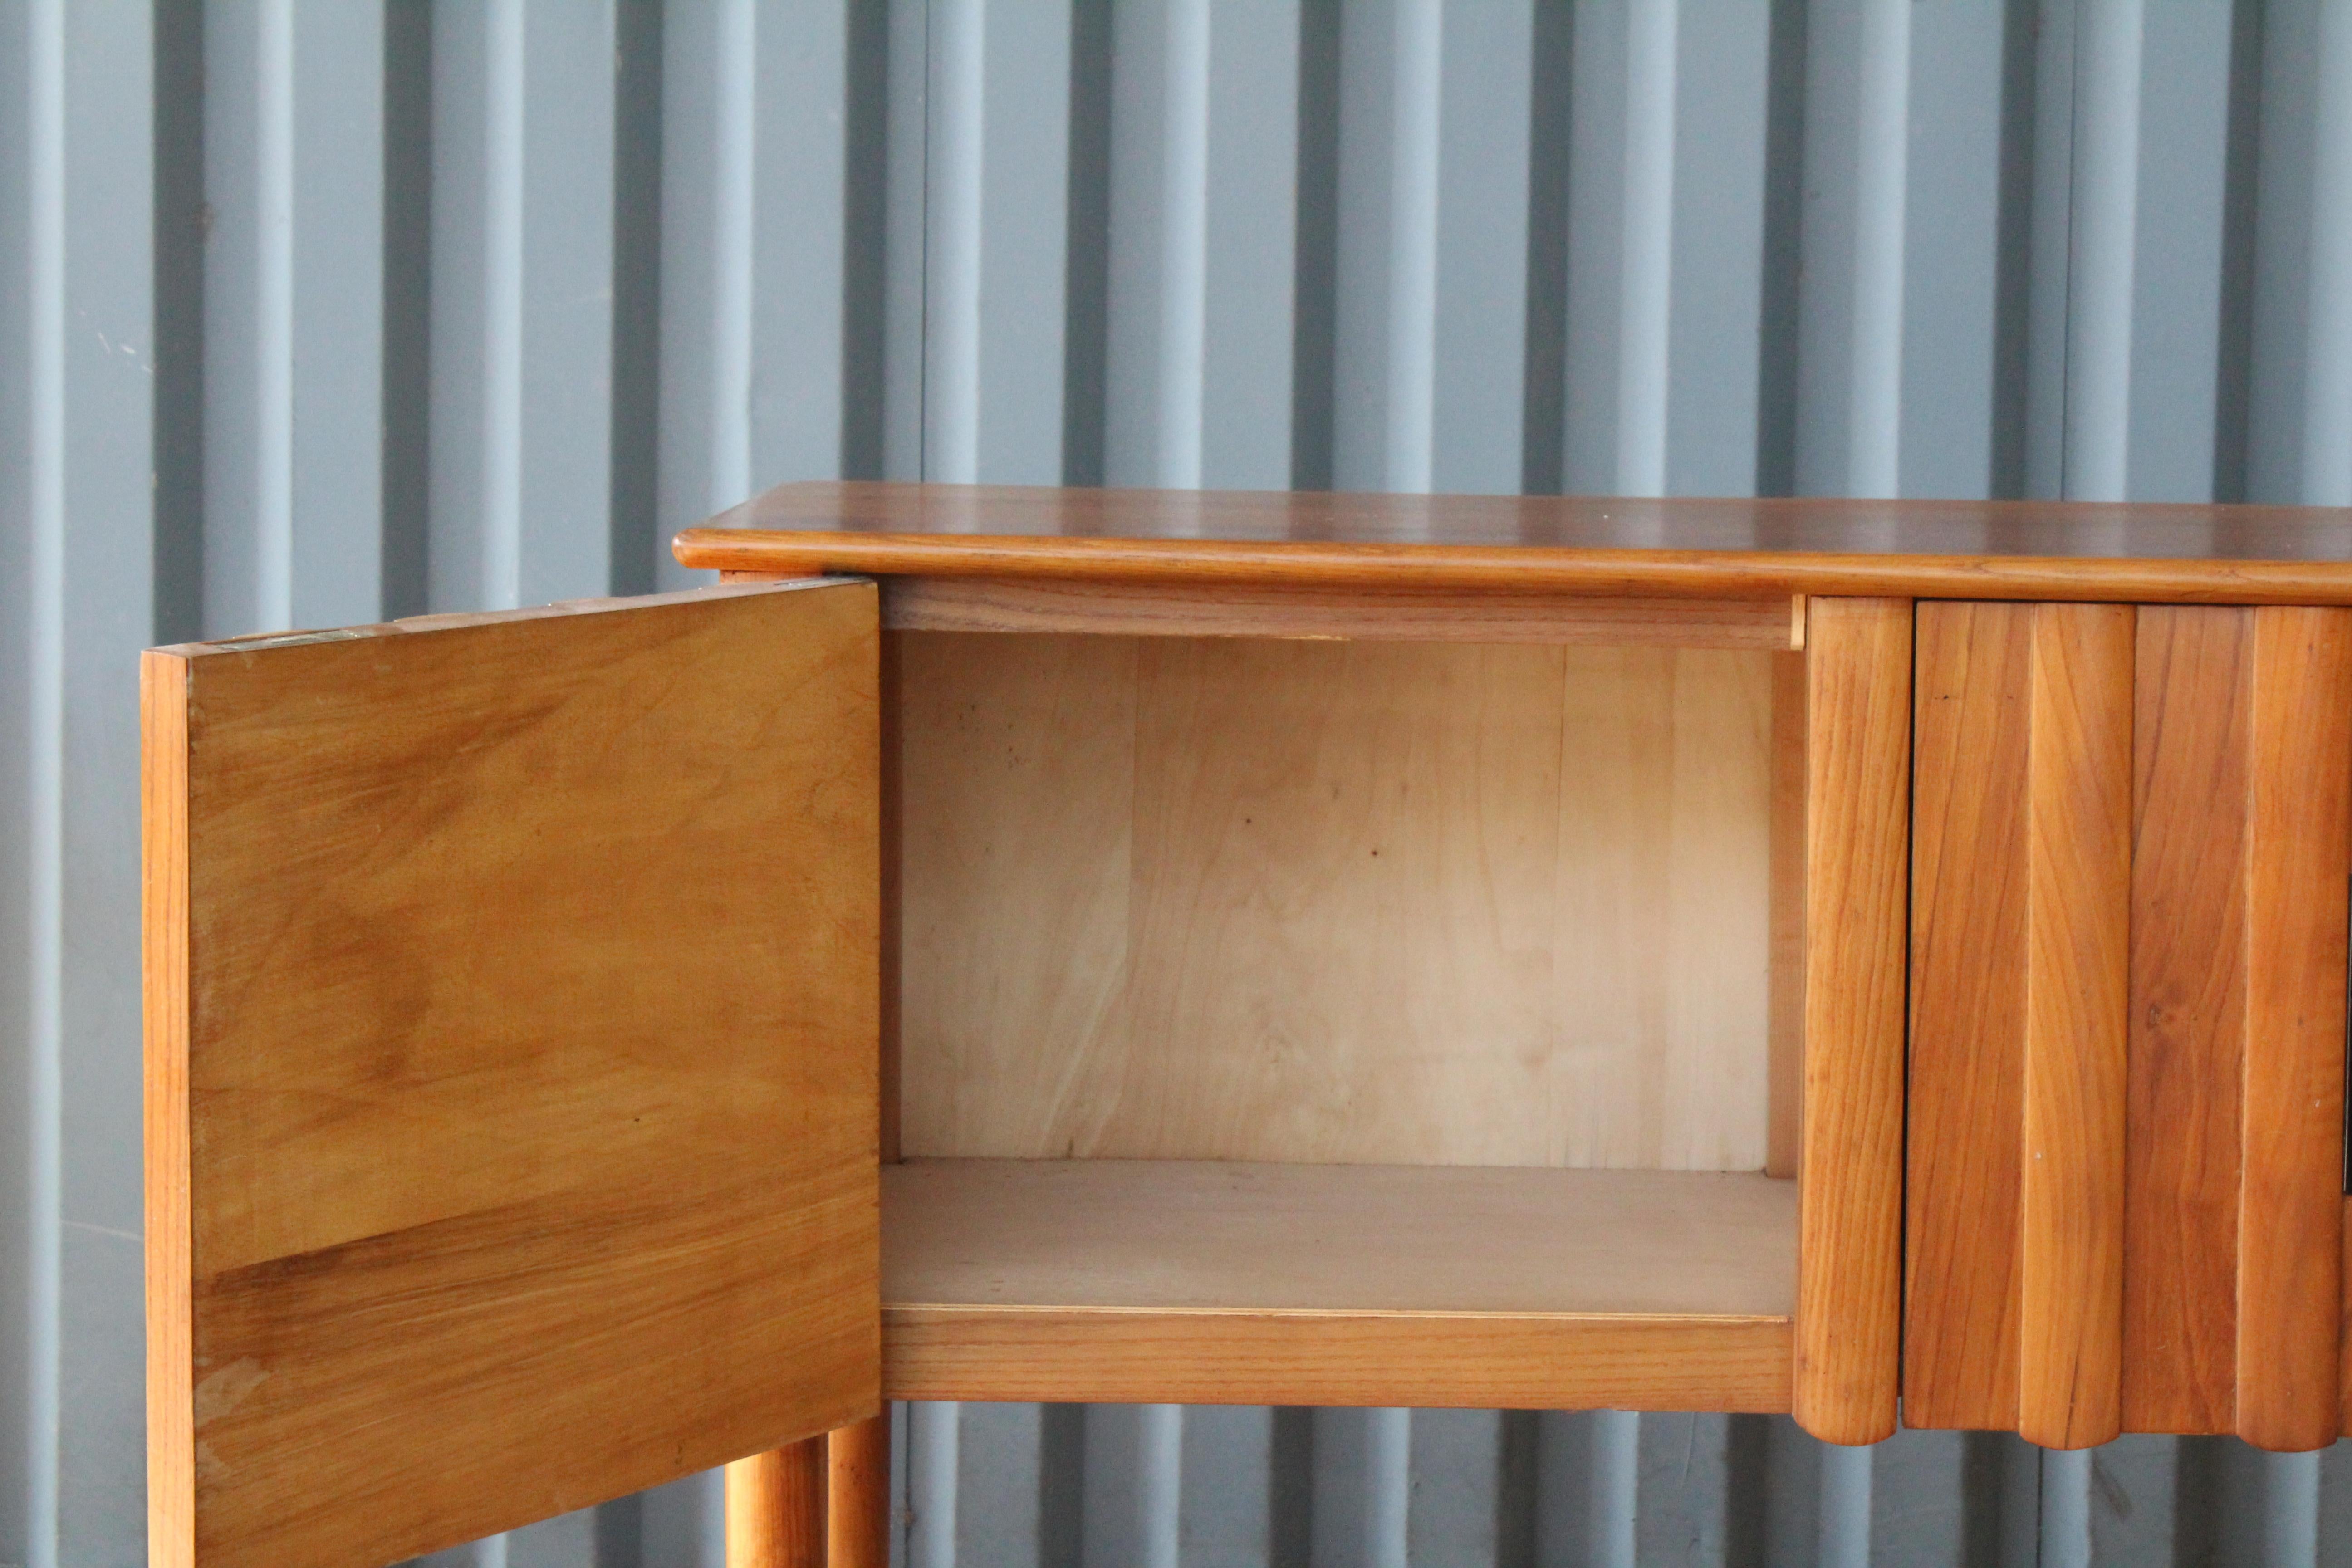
x,y
2020,958
2077,989
857,1508
2290,1234
775,1506
1966,1082
2191,745
2234,1256
1850,1175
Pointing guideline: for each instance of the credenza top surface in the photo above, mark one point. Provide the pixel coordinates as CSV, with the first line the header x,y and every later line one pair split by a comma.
x,y
1705,547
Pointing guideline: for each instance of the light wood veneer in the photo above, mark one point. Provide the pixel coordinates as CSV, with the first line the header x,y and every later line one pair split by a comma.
x,y
1252,1283
1429,903
1234,610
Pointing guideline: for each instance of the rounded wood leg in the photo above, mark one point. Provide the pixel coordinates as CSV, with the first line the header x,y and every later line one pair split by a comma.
x,y
775,1508
859,1508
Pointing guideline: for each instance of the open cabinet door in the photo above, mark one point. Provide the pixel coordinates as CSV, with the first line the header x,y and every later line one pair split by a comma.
x,y
511,1064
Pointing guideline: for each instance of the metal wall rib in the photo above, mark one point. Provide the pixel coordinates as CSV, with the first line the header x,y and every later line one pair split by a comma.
x,y
320,312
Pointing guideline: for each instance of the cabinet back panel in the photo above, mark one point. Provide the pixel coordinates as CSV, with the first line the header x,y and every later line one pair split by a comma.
x,y
1334,902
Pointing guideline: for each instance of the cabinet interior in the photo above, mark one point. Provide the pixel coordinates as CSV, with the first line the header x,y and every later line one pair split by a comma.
x,y
1318,974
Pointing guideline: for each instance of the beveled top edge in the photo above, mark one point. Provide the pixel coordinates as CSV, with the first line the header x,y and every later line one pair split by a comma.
x,y
1595,544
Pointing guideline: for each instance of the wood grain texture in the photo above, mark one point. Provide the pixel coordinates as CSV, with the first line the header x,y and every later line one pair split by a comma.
x,y
1661,894
1220,1282
1427,1360
2192,746
1969,917
2290,1233
1016,763
525,999
2233,1261
858,1505
170,1303
892,821
2019,987
776,1507
1857,857
1335,901
2077,991
1217,1234
1785,1066
1242,609
1733,548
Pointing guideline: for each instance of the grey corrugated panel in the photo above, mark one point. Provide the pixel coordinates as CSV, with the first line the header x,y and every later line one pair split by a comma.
x,y
905,41
1903,144
2049,161
82,525
290,337
293,280
1666,246
1201,250
20,1113
998,238
2176,294
765,325
1359,1491
2298,431
2109,38
1594,1490
522,302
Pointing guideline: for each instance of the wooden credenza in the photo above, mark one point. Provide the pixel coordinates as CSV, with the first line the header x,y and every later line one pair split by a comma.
x,y
1863,960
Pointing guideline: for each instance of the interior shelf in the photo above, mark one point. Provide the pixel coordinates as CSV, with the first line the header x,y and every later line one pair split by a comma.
x,y
1337,1284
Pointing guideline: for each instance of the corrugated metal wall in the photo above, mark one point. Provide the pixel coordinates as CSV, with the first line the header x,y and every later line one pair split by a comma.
x,y
322,312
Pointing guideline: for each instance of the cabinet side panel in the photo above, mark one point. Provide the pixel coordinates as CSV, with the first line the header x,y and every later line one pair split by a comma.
x,y
1016,772
2191,745
1967,1015
889,821
2077,982
2290,1230
1857,855
1786,1069
163,894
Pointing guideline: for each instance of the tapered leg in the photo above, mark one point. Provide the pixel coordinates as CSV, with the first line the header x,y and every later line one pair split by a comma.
x,y
775,1508
859,1510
